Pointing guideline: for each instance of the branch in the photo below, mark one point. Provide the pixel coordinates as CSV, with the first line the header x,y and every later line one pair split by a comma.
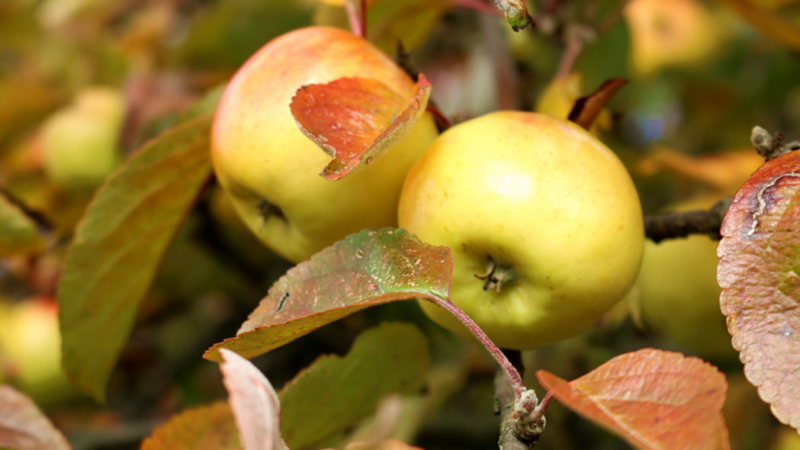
x,y
675,224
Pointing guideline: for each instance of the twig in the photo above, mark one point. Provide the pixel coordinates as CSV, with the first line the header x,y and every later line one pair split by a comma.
x,y
676,224
771,147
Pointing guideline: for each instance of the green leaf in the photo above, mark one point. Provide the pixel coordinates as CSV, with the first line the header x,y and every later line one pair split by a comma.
x,y
335,393
206,427
364,269
18,232
119,244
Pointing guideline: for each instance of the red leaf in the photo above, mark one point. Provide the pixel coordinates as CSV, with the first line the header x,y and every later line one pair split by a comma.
x,y
255,405
653,399
365,269
23,426
758,272
356,120
587,108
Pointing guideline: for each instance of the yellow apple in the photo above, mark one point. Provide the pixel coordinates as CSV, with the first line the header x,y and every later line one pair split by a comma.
x,y
80,143
30,349
543,221
670,33
271,170
679,294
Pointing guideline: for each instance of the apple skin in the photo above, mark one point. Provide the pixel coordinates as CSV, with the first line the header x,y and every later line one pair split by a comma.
x,y
80,142
679,294
259,153
541,196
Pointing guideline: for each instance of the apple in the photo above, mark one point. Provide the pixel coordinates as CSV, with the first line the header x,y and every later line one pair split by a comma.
x,y
30,349
271,170
671,33
543,221
80,143
679,294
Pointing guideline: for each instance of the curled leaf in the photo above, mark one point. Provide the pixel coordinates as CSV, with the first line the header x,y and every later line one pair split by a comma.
x,y
206,427
119,244
356,120
653,399
365,269
758,272
23,426
255,405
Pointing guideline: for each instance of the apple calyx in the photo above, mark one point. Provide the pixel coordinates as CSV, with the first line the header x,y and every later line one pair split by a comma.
x,y
268,210
495,276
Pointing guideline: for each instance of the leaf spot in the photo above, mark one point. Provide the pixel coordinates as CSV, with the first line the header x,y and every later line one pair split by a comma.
x,y
359,253
762,204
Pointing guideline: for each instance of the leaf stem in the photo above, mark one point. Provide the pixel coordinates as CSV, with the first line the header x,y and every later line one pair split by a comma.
x,y
497,354
354,19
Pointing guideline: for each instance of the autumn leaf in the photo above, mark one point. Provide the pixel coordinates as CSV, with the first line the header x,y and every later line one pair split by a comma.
x,y
119,244
205,428
334,394
770,23
586,109
758,272
255,405
23,426
655,400
356,120
365,269
18,232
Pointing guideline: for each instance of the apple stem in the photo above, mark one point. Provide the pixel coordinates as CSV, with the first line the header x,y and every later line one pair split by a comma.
x,y
364,18
497,354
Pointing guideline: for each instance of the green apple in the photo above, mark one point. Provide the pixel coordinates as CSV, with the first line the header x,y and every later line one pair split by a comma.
x,y
80,143
271,170
679,294
543,221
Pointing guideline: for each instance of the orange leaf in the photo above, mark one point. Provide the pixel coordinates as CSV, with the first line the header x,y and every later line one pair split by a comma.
x,y
758,272
653,399
356,120
205,427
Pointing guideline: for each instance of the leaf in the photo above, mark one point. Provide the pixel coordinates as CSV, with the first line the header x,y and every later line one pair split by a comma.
x,y
770,23
364,269
516,12
119,244
23,426
335,393
356,120
205,428
18,232
255,405
587,108
655,400
758,272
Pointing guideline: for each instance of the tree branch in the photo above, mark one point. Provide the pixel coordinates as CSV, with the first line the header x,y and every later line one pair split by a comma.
x,y
678,224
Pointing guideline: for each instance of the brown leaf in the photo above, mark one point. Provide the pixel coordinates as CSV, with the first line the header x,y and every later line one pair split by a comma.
x,y
758,272
653,399
205,428
255,405
587,108
356,120
365,269
23,426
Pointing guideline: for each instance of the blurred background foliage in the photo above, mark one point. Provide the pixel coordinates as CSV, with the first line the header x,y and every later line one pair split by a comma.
x,y
83,83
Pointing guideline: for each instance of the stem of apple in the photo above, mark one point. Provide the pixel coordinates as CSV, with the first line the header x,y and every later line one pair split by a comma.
x,y
505,364
364,18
